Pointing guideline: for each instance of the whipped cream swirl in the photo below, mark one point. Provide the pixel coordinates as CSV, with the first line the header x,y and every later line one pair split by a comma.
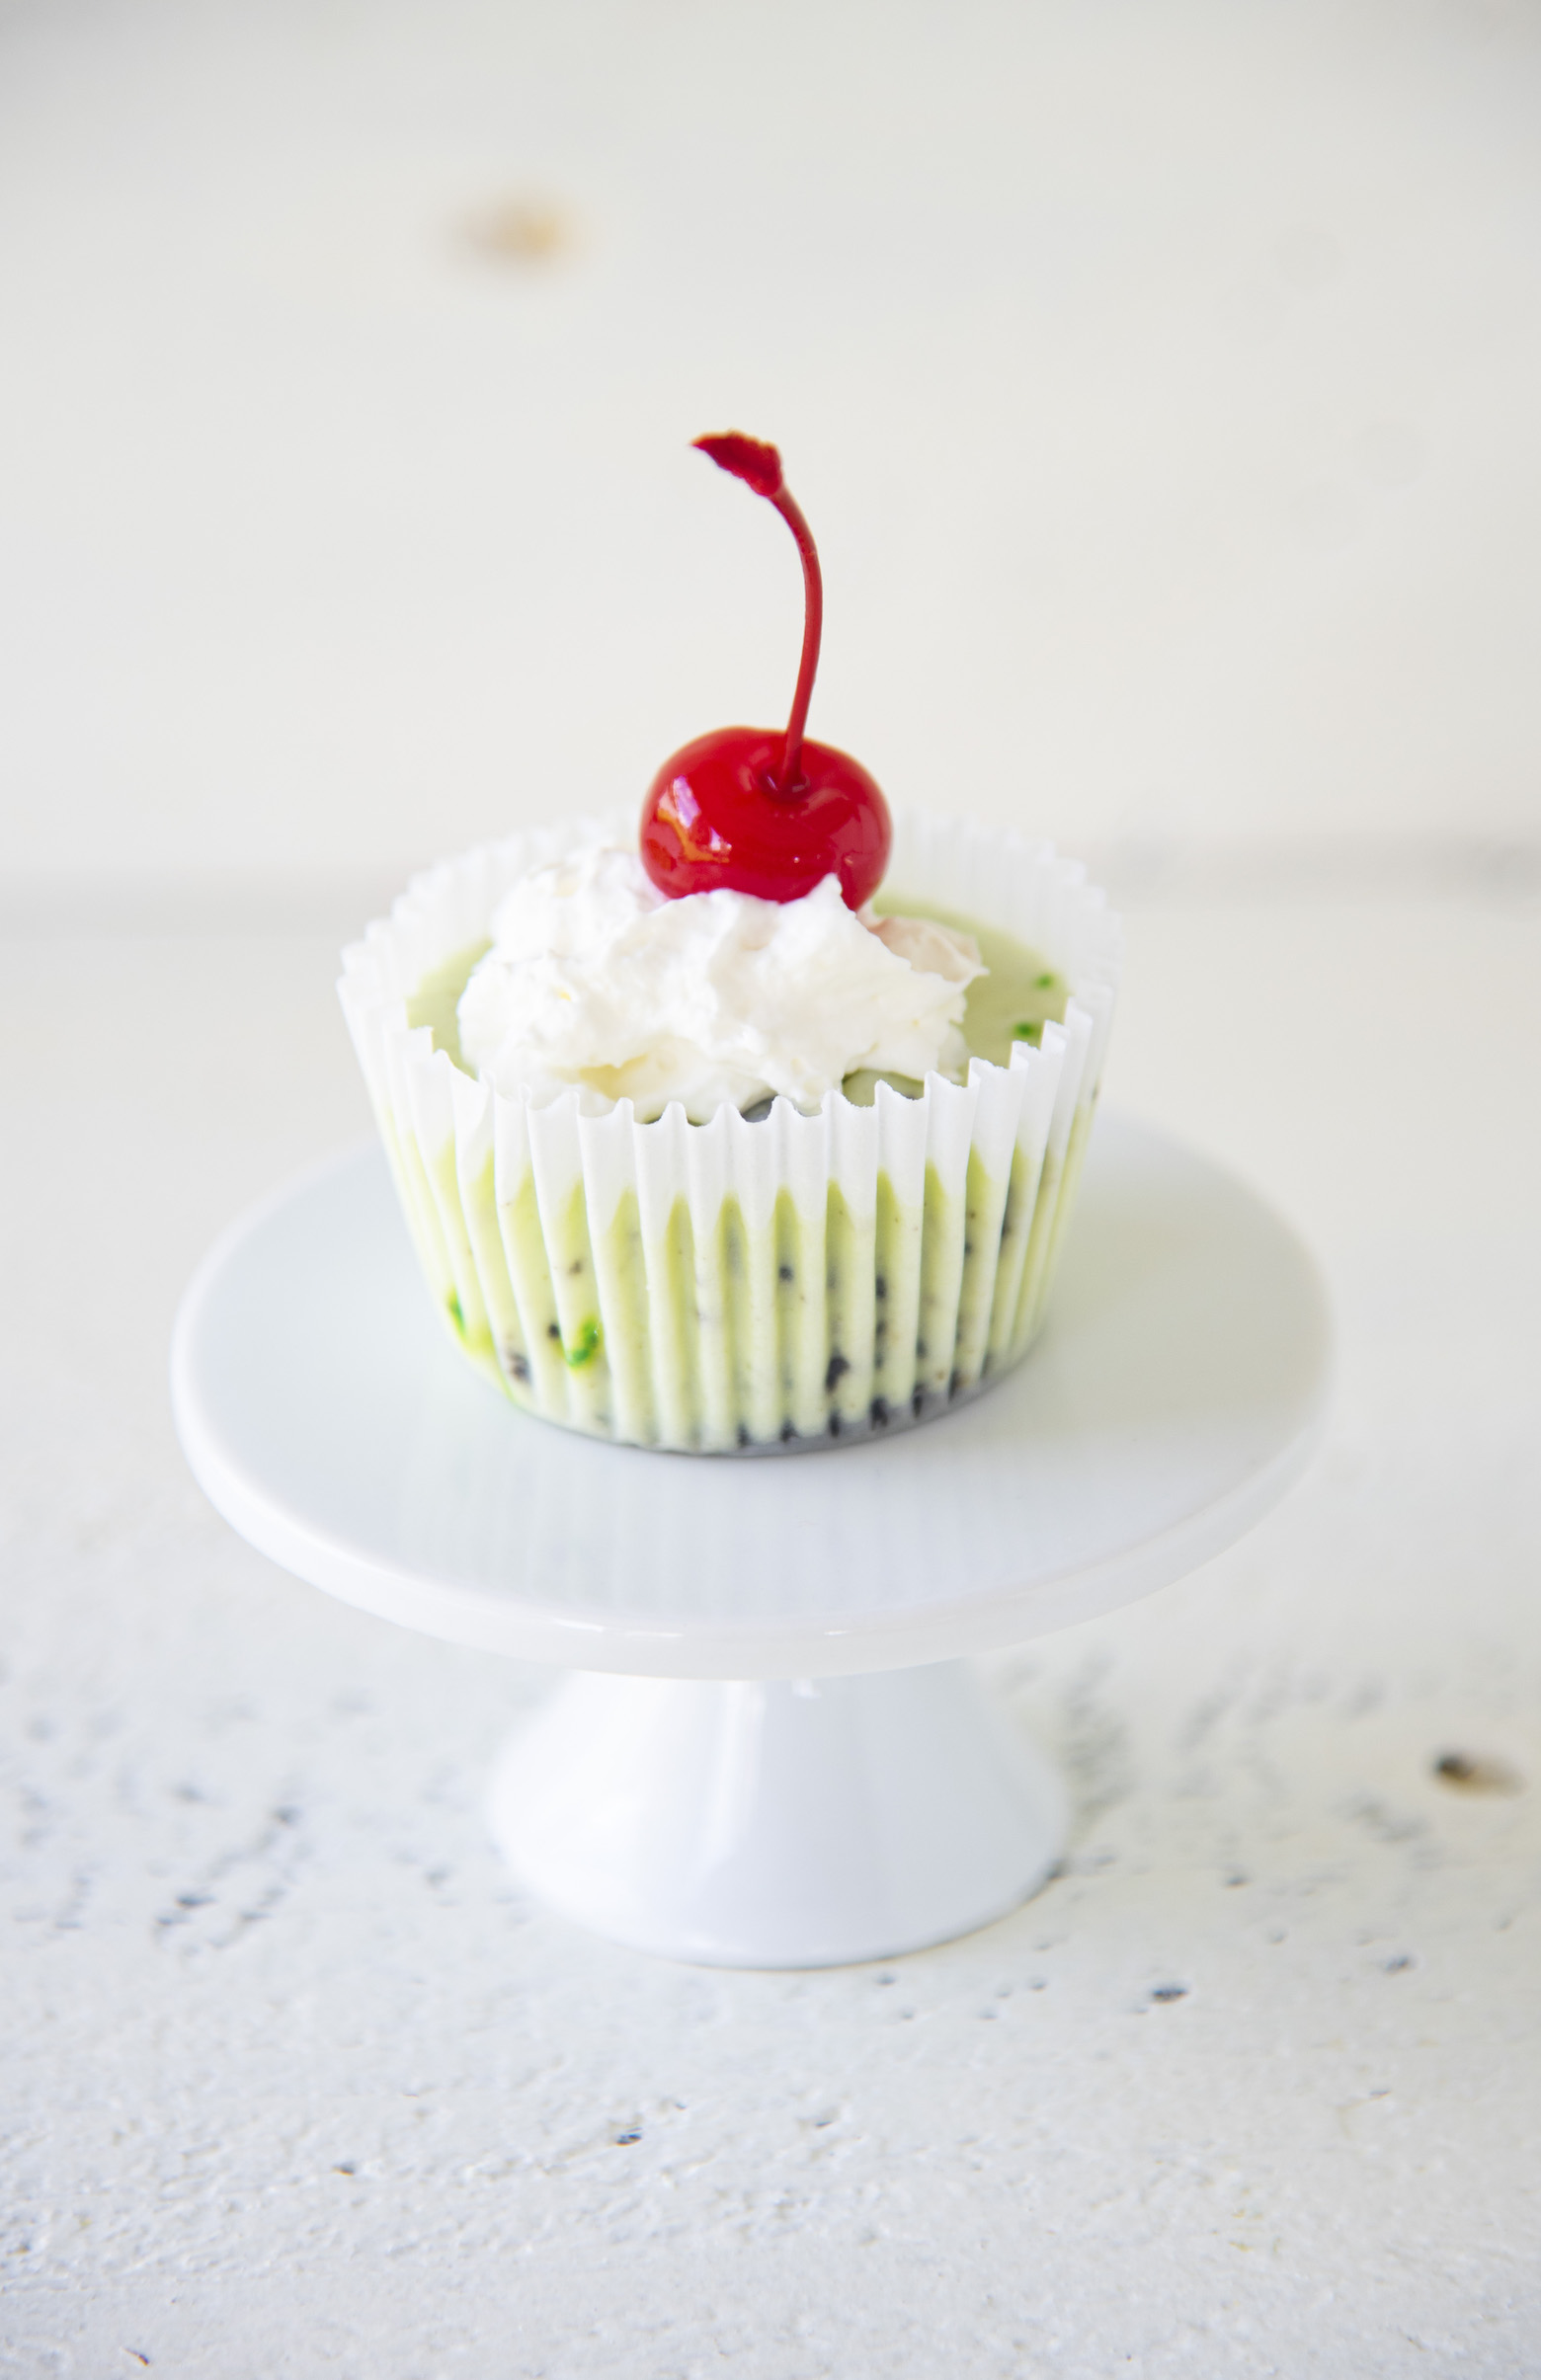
x,y
595,981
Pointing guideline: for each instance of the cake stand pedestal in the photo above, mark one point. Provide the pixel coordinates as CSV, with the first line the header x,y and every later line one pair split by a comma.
x,y
776,1752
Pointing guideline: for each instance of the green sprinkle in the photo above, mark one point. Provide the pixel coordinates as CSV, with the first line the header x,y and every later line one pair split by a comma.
x,y
456,1314
1046,982
586,1345
1031,1029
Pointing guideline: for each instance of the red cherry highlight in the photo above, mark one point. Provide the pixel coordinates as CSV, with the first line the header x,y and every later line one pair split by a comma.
x,y
747,808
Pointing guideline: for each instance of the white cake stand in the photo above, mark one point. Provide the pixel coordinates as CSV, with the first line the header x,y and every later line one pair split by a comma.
x,y
776,1752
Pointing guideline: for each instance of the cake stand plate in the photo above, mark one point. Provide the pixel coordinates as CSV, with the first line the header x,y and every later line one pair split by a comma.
x,y
776,1753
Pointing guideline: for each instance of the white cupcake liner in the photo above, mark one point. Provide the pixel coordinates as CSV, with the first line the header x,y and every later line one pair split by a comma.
x,y
738,1286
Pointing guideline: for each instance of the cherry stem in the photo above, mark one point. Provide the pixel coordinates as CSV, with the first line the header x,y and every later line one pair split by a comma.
x,y
813,628
759,467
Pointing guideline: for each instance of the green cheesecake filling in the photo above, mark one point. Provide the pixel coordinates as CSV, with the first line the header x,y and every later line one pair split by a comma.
x,y
1019,996
814,1327
436,1000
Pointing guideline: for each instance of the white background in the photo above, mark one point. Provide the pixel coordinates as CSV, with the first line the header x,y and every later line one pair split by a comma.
x,y
1162,381
1165,383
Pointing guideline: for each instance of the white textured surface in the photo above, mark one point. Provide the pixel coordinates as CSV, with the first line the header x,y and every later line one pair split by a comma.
x,y
297,2082
1164,384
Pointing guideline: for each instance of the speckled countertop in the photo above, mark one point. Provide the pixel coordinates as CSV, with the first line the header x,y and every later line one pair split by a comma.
x,y
297,2082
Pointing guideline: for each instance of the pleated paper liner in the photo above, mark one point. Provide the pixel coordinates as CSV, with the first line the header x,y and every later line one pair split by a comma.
x,y
740,1286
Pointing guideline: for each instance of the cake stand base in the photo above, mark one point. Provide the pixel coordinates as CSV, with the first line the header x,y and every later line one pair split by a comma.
x,y
880,1804
778,1825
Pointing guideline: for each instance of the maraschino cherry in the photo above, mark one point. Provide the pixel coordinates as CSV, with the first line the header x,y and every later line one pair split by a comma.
x,y
753,808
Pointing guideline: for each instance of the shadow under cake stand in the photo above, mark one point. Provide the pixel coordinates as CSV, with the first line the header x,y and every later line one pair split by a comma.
x,y
774,1750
